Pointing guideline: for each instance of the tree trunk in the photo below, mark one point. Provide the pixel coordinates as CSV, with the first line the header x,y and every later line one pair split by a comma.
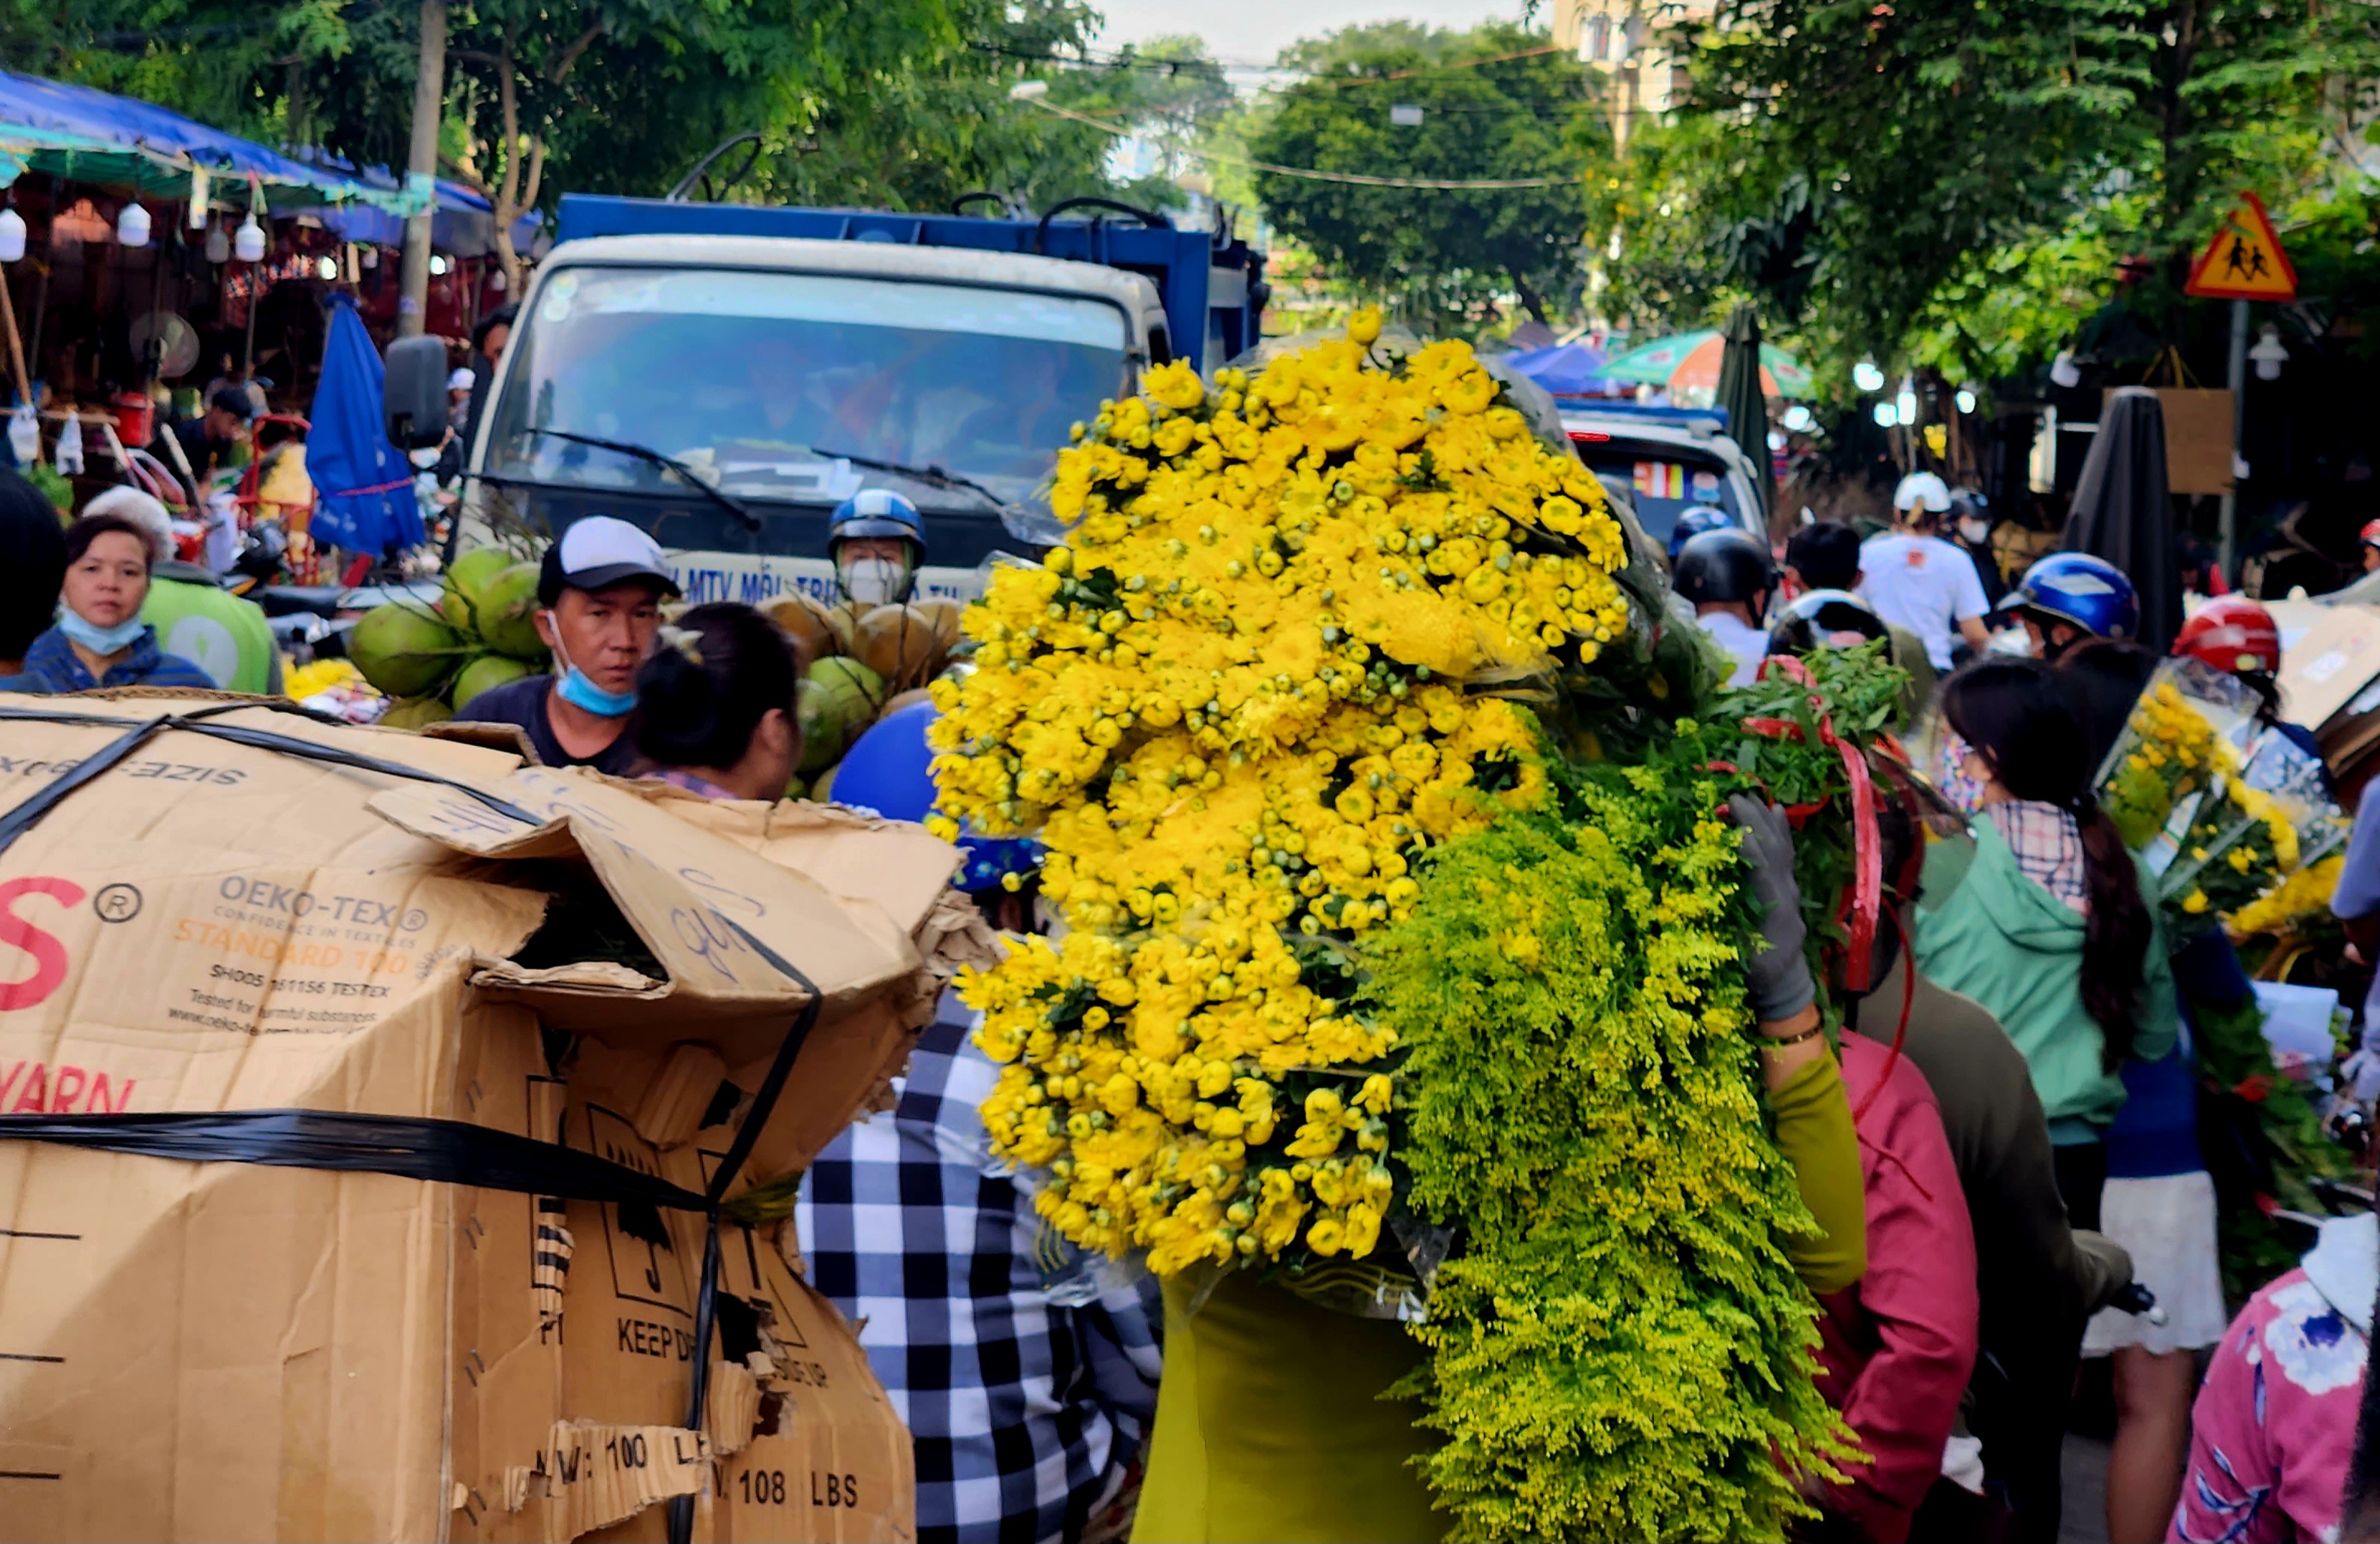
x,y
1529,296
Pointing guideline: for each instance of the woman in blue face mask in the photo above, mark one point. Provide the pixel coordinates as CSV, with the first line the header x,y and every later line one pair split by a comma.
x,y
100,639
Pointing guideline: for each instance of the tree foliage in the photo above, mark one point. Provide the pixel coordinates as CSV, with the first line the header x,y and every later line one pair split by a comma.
x,y
902,104
1946,174
1441,252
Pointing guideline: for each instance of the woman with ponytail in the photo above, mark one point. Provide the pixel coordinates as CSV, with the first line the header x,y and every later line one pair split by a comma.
x,y
2050,927
715,711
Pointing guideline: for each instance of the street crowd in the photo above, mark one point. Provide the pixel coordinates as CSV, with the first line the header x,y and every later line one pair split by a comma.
x,y
2003,1142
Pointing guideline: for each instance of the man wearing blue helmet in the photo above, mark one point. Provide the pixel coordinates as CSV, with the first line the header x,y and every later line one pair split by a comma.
x,y
877,541
1697,521
1025,1371
2067,598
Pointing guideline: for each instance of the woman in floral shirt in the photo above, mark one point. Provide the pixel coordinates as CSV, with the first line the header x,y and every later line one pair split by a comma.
x,y
2275,1423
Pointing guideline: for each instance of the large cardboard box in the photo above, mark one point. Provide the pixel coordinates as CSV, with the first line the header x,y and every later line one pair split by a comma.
x,y
204,922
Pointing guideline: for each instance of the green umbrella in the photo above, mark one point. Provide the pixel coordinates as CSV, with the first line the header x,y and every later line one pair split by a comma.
x,y
1692,360
1747,406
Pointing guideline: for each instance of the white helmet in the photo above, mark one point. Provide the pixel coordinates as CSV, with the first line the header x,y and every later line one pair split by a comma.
x,y
1922,490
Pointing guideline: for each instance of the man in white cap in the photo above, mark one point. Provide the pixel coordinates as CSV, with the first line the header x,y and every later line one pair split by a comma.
x,y
458,397
1914,580
601,606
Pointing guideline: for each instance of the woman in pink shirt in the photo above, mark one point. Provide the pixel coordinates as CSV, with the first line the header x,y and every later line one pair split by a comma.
x,y
2274,1428
1896,1349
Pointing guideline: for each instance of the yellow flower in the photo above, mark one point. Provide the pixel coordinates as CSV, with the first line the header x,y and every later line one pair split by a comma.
x,y
1233,706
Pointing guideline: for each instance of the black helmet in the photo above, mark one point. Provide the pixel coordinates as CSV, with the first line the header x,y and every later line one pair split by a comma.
x,y
1825,619
1729,564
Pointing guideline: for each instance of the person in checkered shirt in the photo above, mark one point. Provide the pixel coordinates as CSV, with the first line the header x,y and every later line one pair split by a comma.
x,y
1027,1373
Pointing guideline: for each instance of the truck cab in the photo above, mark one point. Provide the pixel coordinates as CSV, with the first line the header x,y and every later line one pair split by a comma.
x,y
745,369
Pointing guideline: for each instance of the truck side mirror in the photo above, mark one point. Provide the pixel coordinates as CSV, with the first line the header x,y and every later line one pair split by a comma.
x,y
413,393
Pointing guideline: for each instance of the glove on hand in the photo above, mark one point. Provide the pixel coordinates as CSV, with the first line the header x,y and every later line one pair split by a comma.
x,y
1779,975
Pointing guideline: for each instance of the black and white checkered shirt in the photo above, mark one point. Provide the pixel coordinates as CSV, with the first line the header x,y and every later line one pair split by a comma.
x,y
1027,1373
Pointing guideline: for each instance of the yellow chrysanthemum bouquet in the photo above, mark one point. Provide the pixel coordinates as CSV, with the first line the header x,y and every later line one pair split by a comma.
x,y
2168,751
1233,706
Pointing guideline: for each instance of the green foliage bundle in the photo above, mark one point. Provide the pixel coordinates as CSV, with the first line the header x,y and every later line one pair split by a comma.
x,y
1619,1346
2266,1141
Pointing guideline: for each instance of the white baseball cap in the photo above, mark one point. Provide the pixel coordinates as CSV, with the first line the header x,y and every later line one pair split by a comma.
x,y
460,381
600,551
129,503
1922,489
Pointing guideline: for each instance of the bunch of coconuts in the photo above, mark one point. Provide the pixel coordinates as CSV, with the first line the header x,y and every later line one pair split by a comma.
x,y
858,662
433,658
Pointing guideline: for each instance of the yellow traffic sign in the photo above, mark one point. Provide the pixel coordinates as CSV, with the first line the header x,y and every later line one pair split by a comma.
x,y
2246,260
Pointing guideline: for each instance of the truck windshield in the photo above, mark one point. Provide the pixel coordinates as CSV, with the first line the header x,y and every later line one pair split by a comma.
x,y
766,381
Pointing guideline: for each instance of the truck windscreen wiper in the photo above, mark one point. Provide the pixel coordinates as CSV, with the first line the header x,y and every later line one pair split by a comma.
x,y
931,476
643,453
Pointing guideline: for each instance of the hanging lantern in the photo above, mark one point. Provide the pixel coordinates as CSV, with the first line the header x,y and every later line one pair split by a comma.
x,y
218,243
247,245
132,226
496,280
367,258
12,235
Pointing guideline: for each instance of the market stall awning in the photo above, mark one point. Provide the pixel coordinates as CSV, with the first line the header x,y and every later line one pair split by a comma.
x,y
1564,369
93,136
463,224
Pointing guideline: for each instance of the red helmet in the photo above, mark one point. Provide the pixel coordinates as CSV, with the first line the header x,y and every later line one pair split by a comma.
x,y
2372,533
2232,633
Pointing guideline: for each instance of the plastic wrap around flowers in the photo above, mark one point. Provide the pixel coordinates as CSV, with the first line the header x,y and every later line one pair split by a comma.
x,y
1233,705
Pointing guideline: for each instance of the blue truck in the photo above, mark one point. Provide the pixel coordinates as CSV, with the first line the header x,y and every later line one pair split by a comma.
x,y
723,375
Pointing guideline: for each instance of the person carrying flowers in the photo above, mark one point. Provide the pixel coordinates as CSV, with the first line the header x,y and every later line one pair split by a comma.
x,y
1415,1009
2049,926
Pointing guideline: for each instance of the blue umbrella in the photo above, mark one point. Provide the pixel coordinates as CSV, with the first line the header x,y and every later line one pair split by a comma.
x,y
1564,370
363,484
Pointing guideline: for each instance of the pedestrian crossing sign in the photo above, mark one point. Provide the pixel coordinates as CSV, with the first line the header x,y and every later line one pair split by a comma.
x,y
2245,261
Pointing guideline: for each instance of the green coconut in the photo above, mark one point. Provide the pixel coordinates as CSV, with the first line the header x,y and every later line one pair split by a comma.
x,y
404,648
487,672
507,613
464,581
837,701
419,714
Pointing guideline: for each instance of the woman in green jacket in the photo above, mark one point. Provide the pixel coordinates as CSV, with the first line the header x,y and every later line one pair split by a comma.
x,y
2048,926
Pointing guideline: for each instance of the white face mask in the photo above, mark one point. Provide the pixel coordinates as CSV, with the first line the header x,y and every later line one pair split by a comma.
x,y
1975,530
873,581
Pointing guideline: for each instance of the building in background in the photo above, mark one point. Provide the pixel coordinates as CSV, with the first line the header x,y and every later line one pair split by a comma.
x,y
1626,41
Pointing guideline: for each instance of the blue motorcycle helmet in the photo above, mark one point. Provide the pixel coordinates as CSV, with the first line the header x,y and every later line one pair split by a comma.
x,y
876,515
876,512
2084,592
889,771
1699,520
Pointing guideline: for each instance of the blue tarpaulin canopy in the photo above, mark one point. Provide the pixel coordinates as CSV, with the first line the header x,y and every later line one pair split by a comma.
x,y
1564,370
363,484
463,224
91,136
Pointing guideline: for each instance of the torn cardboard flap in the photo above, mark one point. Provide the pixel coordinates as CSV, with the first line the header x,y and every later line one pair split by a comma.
x,y
897,865
692,898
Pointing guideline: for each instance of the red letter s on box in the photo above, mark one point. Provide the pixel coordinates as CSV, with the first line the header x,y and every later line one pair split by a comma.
x,y
49,955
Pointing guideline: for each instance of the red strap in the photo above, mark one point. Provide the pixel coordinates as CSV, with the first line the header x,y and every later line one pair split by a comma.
x,y
1901,1029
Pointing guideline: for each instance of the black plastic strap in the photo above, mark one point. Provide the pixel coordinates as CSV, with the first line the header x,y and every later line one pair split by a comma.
x,y
411,1147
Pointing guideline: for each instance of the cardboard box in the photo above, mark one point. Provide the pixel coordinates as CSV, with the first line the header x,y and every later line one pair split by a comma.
x,y
2197,438
238,1350
2328,665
